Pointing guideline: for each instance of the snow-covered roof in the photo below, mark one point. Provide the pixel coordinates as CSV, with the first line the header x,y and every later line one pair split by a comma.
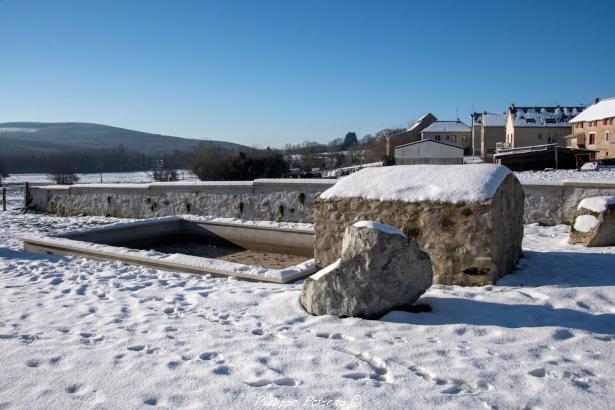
x,y
448,126
494,120
604,109
417,183
489,119
543,116
430,141
536,148
417,122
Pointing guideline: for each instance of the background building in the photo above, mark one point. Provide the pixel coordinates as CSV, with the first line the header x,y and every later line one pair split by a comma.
x,y
487,130
428,151
451,132
528,126
413,133
594,128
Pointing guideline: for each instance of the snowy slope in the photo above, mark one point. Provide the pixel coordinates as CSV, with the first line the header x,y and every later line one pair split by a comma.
x,y
76,333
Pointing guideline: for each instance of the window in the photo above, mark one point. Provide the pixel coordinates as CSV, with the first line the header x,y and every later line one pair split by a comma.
x,y
539,136
607,135
592,138
605,122
437,138
552,138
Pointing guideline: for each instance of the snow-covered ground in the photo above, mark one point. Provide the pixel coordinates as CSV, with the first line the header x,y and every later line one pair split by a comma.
x,y
107,178
526,177
76,333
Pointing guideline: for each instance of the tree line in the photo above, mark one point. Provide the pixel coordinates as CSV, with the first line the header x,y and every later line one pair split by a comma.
x,y
83,161
208,162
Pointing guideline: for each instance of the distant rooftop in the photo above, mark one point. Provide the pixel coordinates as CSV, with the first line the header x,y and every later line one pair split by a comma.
x,y
543,116
603,109
430,141
418,122
448,126
489,119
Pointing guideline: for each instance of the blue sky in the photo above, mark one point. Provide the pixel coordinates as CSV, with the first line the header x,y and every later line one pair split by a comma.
x,y
275,72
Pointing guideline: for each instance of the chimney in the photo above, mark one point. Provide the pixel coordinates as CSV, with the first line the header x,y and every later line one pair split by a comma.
x,y
596,100
512,108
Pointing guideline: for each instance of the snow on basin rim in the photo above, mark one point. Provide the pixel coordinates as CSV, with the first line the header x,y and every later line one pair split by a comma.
x,y
416,183
379,227
597,203
206,264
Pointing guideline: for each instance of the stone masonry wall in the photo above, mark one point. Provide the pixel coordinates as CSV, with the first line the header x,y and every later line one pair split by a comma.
x,y
288,200
545,204
556,204
469,244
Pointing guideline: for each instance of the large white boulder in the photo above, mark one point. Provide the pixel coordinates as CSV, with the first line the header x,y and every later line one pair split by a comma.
x,y
380,269
594,222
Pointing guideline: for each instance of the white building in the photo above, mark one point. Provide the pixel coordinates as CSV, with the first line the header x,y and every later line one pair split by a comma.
x,y
428,151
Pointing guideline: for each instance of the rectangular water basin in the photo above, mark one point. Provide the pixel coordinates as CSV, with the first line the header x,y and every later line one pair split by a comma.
x,y
252,250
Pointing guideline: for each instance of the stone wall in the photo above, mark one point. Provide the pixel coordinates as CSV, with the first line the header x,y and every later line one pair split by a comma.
x,y
555,204
287,200
261,199
469,244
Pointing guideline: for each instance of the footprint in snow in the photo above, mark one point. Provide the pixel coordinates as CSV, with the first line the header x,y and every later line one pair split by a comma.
x,y
150,400
562,334
539,372
280,381
72,389
33,363
208,356
222,370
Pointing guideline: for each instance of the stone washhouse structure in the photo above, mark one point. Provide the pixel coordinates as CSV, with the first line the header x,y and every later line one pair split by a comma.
x,y
467,218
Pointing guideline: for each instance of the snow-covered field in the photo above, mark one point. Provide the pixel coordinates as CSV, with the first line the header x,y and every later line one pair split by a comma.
x,y
526,177
107,178
76,333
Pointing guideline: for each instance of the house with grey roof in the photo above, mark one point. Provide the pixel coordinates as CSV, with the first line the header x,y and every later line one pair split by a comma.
x,y
487,130
451,132
529,126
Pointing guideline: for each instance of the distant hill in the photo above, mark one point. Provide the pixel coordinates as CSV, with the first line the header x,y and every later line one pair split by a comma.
x,y
23,137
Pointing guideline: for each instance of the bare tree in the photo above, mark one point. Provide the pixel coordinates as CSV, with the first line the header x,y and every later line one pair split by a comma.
x,y
4,173
162,172
63,173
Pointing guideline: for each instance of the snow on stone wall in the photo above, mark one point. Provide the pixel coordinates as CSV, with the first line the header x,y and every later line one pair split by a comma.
x,y
555,204
288,200
545,203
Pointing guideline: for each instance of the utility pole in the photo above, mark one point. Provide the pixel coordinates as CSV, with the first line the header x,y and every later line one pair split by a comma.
x,y
100,166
